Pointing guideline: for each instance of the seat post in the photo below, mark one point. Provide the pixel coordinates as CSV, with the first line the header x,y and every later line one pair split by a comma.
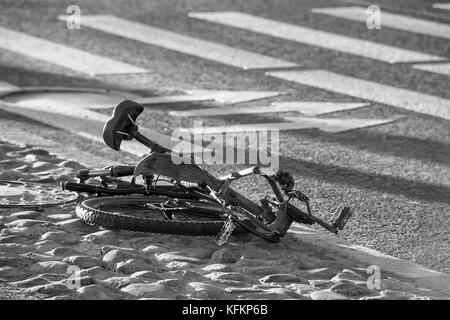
x,y
152,145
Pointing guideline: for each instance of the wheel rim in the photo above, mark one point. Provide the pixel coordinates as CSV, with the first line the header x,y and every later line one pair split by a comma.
x,y
159,209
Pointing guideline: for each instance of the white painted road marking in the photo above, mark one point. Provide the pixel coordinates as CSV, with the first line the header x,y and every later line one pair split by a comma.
x,y
298,123
442,68
391,20
307,108
221,96
84,122
328,40
181,43
62,55
89,124
368,90
6,87
443,6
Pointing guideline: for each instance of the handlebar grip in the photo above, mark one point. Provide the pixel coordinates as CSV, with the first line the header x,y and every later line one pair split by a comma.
x,y
85,174
78,187
122,171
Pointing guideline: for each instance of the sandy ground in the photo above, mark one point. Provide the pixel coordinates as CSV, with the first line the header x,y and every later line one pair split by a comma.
x,y
50,254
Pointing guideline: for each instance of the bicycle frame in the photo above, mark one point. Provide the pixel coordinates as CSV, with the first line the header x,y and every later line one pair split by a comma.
x,y
163,161
175,167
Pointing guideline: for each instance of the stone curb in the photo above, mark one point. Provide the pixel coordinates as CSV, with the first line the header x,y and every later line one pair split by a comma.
x,y
417,274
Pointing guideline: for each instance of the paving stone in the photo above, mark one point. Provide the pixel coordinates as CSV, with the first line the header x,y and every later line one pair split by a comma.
x,y
54,289
23,223
300,288
240,290
49,266
187,275
171,283
224,255
326,295
60,216
9,239
146,275
245,262
97,273
133,265
111,258
75,226
178,265
236,276
322,284
176,256
352,289
388,295
38,257
63,252
64,297
46,245
31,282
319,274
94,292
15,261
282,277
59,236
105,237
84,262
26,214
89,248
106,249
16,248
10,273
273,294
203,290
199,253
150,290
152,249
259,271
217,267
120,282
348,275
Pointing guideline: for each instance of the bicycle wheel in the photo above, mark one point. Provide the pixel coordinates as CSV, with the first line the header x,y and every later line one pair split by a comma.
x,y
153,214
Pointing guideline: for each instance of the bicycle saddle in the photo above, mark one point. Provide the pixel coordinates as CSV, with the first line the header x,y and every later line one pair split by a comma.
x,y
121,123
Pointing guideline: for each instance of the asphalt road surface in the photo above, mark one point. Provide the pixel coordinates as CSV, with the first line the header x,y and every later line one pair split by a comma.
x,y
395,175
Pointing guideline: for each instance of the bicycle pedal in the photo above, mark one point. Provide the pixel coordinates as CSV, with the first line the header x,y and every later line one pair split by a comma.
x,y
343,217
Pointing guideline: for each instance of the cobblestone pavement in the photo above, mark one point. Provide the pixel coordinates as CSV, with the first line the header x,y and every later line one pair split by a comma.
x,y
50,254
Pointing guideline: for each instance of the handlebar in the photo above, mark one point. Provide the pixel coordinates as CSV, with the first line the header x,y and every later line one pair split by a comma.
x,y
113,171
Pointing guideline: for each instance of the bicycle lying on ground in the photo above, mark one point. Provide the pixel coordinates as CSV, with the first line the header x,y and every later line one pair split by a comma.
x,y
188,200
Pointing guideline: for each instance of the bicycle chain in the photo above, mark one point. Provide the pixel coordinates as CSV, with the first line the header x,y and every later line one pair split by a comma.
x,y
226,231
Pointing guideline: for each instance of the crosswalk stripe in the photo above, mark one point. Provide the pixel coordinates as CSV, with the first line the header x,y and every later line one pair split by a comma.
x,y
85,123
5,87
221,96
62,55
442,68
181,43
298,123
327,40
305,107
371,91
443,6
391,20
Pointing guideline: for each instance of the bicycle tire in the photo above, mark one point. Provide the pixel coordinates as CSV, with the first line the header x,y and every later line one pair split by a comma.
x,y
92,211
